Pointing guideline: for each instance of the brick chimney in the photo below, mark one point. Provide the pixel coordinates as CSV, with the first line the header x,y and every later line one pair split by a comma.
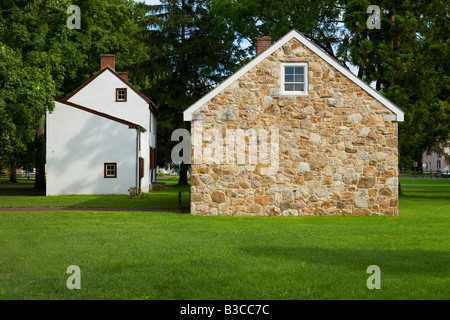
x,y
107,60
262,44
123,75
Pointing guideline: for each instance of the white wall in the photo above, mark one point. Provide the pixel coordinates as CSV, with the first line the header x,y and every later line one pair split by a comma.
x,y
100,95
78,145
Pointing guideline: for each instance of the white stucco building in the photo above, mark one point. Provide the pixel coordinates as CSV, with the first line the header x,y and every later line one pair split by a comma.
x,y
101,139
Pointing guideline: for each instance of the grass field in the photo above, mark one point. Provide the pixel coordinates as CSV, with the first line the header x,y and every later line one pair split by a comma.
x,y
136,255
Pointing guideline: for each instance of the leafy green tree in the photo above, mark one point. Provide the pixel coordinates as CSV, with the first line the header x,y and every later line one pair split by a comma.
x,y
40,58
28,65
192,51
409,60
319,20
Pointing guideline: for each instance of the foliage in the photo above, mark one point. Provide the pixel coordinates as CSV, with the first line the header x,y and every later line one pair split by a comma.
x,y
193,51
317,19
28,64
135,193
40,59
106,27
409,58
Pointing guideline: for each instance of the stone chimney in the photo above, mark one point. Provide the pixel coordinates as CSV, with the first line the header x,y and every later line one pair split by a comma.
x,y
262,44
123,75
107,60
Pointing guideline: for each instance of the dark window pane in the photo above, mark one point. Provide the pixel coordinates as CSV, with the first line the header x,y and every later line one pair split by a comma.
x,y
289,78
289,87
289,70
299,87
299,70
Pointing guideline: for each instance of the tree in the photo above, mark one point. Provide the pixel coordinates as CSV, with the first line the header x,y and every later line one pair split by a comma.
x,y
319,20
193,51
409,60
40,58
27,66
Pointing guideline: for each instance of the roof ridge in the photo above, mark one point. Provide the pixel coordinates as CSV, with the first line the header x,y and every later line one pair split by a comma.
x,y
294,34
79,88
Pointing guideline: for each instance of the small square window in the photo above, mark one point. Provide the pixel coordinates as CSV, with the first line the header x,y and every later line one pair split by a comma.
x,y
110,170
294,78
121,94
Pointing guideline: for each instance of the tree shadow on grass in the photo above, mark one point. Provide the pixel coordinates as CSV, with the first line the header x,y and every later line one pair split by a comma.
x,y
413,261
21,191
426,195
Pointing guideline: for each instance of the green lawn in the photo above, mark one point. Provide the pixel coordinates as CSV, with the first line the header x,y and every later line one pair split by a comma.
x,y
126,255
26,197
5,180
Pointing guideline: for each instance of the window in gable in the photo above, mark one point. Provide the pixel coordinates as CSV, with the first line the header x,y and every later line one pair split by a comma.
x,y
121,94
294,78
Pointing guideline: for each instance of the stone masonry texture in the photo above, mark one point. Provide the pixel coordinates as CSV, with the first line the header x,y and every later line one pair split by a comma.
x,y
337,153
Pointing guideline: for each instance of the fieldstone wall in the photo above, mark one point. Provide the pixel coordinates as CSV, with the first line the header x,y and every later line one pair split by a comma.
x,y
337,146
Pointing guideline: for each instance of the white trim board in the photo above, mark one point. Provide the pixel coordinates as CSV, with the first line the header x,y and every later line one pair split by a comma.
x,y
187,114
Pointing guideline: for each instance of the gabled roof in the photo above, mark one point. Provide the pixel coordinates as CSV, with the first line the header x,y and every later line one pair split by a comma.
x,y
107,68
130,125
294,34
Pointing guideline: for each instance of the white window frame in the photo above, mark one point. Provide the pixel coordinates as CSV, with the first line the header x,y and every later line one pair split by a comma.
x,y
294,64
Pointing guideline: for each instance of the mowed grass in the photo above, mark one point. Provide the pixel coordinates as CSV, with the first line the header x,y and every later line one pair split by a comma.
x,y
5,181
136,255
26,197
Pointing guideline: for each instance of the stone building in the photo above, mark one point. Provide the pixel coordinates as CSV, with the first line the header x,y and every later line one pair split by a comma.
x,y
317,139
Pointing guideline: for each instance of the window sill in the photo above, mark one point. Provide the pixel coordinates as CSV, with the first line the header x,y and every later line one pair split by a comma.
x,y
293,93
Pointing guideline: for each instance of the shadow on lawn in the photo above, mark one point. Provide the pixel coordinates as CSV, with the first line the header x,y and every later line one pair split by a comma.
x,y
116,202
20,190
416,261
426,194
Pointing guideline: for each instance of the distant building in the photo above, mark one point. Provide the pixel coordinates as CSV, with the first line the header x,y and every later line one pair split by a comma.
x,y
434,161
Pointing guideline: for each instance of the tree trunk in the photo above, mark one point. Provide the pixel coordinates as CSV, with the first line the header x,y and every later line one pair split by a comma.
x,y
13,167
39,183
400,192
182,181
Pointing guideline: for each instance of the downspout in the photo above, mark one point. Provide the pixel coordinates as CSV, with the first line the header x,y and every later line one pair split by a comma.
x,y
137,158
155,155
138,130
